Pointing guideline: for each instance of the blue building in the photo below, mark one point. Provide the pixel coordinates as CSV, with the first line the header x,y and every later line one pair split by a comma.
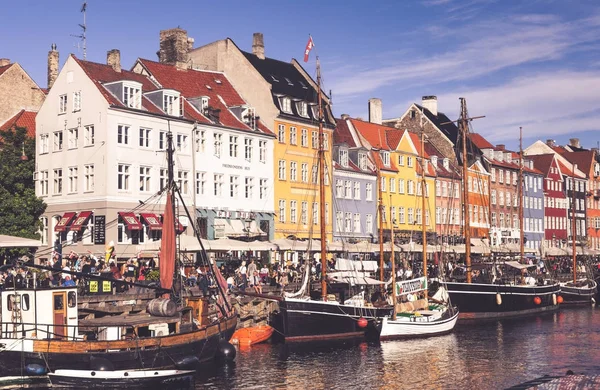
x,y
533,206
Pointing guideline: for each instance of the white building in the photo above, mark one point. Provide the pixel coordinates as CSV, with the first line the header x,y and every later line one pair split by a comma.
x,y
101,162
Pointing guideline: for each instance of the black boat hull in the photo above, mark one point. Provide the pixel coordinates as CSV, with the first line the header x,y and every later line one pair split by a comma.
x,y
308,320
198,348
490,301
583,295
180,381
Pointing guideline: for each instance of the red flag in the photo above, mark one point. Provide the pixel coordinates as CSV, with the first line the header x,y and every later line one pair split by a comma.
x,y
167,248
309,47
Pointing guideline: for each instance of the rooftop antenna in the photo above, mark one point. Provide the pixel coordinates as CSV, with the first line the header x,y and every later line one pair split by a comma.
x,y
83,30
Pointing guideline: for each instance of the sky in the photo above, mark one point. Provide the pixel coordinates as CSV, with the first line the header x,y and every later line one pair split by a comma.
x,y
533,63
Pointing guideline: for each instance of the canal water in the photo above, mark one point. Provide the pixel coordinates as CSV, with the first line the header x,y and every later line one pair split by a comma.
x,y
492,355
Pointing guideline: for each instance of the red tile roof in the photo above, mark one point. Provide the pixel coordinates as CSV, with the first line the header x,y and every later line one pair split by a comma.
x,y
342,134
584,159
374,134
480,142
416,140
24,119
568,171
195,83
4,68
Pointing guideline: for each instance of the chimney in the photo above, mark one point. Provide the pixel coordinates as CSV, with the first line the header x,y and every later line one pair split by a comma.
x,y
500,146
430,103
550,142
174,46
375,112
574,142
113,58
52,65
345,116
4,61
258,45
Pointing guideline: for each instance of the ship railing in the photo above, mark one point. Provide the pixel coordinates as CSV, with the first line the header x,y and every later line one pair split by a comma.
x,y
26,330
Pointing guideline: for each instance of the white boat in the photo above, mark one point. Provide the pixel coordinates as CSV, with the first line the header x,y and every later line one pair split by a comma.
x,y
151,379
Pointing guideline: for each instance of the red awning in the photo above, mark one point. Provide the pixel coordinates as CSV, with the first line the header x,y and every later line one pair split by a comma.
x,y
130,220
64,222
81,220
152,220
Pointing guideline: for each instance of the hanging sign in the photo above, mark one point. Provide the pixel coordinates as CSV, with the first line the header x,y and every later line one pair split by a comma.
x,y
411,286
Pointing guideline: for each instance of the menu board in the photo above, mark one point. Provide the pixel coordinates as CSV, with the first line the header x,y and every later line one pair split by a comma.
x,y
100,229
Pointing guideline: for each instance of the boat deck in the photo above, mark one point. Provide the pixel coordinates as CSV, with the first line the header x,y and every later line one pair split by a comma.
x,y
141,319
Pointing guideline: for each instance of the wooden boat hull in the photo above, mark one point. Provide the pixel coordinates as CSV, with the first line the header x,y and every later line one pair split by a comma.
x,y
584,295
308,320
130,379
477,301
252,335
392,330
145,353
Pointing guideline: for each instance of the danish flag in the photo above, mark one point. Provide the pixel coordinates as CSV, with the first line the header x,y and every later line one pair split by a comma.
x,y
309,47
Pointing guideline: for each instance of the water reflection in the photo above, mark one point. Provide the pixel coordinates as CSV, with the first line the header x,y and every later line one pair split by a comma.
x,y
492,355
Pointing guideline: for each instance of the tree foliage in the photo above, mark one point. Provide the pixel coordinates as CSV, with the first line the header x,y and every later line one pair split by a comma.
x,y
20,208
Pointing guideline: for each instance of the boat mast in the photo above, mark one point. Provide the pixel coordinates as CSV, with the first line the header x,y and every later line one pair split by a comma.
x,y
573,227
322,187
171,195
424,206
381,211
393,267
520,195
463,129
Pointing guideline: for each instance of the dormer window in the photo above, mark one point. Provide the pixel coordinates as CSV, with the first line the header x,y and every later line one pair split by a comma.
x,y
171,104
289,81
362,161
275,79
249,117
303,109
385,157
344,158
315,111
286,105
302,84
132,96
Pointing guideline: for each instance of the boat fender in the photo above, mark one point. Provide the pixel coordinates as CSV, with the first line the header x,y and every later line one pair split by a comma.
x,y
559,299
498,299
537,300
593,301
35,369
554,299
225,352
101,364
362,322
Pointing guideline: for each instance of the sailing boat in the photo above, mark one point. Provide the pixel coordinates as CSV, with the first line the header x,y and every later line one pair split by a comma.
x,y
500,296
417,317
332,315
577,291
43,333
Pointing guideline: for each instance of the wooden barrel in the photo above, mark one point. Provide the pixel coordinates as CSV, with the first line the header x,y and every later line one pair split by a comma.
x,y
162,307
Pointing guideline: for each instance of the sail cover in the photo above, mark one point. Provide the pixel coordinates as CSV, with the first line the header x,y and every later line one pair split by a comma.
x,y
167,248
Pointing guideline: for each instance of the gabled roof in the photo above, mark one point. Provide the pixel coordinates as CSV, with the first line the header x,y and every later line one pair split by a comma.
x,y
542,162
479,141
342,134
583,159
5,68
374,134
24,119
195,83
442,122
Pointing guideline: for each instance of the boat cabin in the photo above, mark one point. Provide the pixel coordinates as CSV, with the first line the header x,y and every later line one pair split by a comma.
x,y
39,313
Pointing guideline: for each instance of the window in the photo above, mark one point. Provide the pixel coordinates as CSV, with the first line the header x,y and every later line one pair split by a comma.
x,y
339,221
263,189
362,161
383,185
62,105
281,134
368,224
58,140
501,198
73,138
493,174
314,174
315,140
248,187
293,211
325,141
132,97
304,213
493,197
411,216
400,186
293,136
44,143
58,181
145,179
401,215
357,190
401,160
76,101
201,141
262,151
392,185
507,201
304,138
369,191
43,175
171,104
385,158
218,144
286,105
123,177
344,157
73,177
44,231
339,188
162,177
315,213
218,184
248,149
233,186
304,173
409,161
123,134
162,140
438,215
303,109
326,213
233,146
419,217
182,143
500,176
281,210
293,171
348,223
144,137
411,187
493,219
200,183
88,138
438,188
88,177
347,189
393,214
